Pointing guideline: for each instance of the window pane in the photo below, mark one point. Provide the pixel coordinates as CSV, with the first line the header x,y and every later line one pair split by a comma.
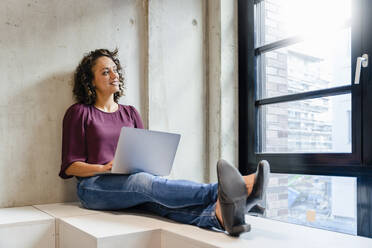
x,y
317,201
309,126
280,19
311,65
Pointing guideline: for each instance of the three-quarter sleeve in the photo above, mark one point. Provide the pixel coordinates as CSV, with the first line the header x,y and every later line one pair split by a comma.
x,y
136,117
73,138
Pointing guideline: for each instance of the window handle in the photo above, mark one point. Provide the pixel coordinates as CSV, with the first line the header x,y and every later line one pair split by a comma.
x,y
361,62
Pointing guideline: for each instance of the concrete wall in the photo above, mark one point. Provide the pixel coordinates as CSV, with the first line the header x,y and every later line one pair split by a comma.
x,y
41,43
164,47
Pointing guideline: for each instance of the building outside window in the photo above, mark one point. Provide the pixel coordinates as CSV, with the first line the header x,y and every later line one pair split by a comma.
x,y
318,201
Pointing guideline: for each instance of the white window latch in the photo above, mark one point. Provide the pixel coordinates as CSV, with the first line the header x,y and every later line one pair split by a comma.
x,y
361,62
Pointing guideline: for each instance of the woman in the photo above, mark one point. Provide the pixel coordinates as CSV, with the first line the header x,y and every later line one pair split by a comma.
x,y
91,130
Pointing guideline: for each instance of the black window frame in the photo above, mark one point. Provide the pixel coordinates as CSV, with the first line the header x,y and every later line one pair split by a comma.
x,y
359,162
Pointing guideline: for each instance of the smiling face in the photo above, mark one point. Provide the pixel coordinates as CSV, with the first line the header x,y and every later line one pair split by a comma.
x,y
106,77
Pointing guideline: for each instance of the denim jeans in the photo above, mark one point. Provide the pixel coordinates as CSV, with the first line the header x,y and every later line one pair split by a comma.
x,y
180,200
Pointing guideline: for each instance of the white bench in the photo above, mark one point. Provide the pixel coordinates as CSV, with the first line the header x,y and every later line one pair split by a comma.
x,y
78,227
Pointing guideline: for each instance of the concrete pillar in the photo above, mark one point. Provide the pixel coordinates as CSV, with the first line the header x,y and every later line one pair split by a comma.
x,y
176,80
222,84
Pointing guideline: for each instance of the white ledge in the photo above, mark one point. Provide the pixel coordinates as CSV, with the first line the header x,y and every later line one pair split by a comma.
x,y
108,229
65,225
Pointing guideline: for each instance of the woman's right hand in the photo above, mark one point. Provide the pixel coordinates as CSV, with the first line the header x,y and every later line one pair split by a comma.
x,y
108,166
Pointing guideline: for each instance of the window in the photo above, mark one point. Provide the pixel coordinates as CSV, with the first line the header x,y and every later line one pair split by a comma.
x,y
300,107
303,83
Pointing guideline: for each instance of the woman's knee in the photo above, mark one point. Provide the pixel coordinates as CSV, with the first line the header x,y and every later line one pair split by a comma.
x,y
141,180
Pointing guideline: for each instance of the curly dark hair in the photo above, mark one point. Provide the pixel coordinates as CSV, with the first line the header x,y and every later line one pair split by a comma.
x,y
83,90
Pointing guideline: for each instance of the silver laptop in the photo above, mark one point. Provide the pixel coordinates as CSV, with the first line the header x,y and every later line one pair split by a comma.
x,y
144,150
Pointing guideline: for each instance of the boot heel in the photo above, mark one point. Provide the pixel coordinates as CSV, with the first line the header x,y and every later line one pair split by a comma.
x,y
237,230
233,215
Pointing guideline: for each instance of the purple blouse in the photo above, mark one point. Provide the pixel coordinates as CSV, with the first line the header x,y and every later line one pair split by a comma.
x,y
91,135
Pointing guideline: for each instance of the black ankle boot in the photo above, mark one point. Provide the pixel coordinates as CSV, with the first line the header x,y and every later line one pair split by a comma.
x,y
232,195
259,187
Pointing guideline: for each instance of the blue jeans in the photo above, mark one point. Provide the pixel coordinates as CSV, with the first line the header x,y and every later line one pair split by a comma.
x,y
180,200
